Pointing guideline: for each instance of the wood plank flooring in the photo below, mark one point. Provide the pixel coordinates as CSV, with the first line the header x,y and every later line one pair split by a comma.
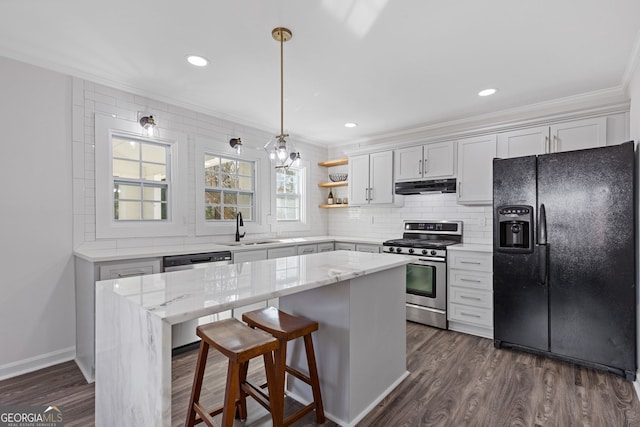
x,y
456,380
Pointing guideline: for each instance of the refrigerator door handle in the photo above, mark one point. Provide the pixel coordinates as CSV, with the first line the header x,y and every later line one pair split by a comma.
x,y
542,244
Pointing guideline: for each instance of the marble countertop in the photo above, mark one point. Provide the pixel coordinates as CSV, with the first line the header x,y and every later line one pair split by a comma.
x,y
114,254
180,296
475,247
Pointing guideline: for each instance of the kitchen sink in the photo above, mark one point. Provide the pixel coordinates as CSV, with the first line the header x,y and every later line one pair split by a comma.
x,y
251,242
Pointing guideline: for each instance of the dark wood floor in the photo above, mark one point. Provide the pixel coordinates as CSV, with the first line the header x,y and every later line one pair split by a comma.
x,y
456,380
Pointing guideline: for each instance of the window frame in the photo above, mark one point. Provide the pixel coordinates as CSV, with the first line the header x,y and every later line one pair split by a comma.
x,y
223,191
106,127
261,192
286,226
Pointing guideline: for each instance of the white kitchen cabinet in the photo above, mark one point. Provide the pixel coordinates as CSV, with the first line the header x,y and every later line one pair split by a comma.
x,y
567,136
122,269
475,169
246,256
364,247
325,247
428,161
470,292
345,246
282,252
307,249
371,179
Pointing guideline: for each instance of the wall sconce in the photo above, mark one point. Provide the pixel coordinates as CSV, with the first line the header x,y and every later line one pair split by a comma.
x,y
236,144
148,123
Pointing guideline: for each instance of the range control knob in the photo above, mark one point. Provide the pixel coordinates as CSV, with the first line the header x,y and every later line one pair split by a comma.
x,y
433,253
410,251
425,252
390,249
398,250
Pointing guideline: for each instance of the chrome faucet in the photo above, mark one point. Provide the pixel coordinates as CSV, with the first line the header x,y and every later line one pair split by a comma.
x,y
239,223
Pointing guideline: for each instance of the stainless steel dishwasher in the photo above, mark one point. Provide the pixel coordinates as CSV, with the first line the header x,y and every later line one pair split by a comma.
x,y
183,335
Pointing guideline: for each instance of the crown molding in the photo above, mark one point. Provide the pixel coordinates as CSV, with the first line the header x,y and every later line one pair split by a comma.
x,y
632,64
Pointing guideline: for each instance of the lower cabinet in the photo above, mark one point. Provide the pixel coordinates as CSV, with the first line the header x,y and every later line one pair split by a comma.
x,y
325,247
363,247
282,252
247,256
307,249
344,246
470,292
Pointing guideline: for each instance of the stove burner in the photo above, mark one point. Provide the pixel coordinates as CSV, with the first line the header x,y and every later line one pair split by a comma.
x,y
420,243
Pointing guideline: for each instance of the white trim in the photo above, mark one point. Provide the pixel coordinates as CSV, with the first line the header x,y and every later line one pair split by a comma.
x,y
106,227
634,61
261,191
36,363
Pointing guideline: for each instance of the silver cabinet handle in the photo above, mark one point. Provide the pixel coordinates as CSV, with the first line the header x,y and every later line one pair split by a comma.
x,y
136,273
470,315
419,167
371,194
470,262
462,279
425,165
473,298
459,189
555,143
547,145
366,194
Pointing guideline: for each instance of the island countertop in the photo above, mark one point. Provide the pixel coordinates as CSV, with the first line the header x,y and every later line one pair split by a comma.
x,y
179,296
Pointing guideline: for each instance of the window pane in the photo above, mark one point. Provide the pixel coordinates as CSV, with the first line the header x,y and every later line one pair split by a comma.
x,y
127,210
228,166
155,193
244,183
292,203
153,172
126,169
230,198
246,214
245,199
212,197
212,162
127,192
229,181
211,178
230,213
154,153
154,211
245,168
126,149
212,212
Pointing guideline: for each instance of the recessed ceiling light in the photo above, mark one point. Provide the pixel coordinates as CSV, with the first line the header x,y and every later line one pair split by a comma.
x,y
350,125
198,61
487,92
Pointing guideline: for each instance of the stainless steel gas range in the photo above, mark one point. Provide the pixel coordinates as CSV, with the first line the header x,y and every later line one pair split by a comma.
x,y
427,241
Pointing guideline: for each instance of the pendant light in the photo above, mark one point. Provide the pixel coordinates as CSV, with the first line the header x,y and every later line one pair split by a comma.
x,y
280,151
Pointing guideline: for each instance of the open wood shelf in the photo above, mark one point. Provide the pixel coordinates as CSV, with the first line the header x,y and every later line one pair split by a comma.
x,y
342,205
331,163
333,184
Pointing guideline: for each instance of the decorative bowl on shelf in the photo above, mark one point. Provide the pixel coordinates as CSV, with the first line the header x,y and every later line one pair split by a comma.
x,y
338,177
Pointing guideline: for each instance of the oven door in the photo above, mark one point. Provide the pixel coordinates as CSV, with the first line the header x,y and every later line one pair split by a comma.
x,y
427,283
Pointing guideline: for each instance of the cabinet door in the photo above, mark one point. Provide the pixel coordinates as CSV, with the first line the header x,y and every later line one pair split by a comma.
x,y
579,134
381,178
246,256
325,247
344,246
359,180
439,160
523,142
408,163
363,247
282,252
123,269
475,169
307,249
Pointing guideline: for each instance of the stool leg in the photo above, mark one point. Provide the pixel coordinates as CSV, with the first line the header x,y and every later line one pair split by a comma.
x,y
241,413
280,368
313,375
229,410
276,398
197,383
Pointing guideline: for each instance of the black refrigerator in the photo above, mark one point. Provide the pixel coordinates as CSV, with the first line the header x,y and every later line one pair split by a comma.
x,y
564,281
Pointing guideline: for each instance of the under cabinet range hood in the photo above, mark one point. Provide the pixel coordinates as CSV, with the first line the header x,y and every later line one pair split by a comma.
x,y
426,186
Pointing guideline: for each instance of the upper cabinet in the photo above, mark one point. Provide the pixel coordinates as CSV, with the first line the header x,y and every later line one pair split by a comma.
x,y
568,136
426,161
475,169
371,179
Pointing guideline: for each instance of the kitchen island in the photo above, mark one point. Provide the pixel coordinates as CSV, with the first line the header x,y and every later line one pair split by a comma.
x,y
357,298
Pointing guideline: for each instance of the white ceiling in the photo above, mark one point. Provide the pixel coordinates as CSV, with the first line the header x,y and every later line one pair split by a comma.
x,y
387,65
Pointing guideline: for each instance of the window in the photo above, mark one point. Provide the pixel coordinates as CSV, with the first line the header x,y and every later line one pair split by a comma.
x,y
229,188
288,194
141,182
140,179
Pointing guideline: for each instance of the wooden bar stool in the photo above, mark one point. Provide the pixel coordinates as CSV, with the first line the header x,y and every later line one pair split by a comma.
x,y
286,327
239,343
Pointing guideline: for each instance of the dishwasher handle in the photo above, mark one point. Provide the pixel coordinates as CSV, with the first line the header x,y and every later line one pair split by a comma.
x,y
182,262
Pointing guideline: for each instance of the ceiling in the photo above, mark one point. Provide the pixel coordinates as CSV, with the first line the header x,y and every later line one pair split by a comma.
x,y
386,65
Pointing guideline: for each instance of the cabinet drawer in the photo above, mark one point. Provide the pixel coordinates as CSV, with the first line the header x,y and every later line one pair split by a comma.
x,y
130,269
325,247
471,297
307,249
471,279
341,246
362,247
472,315
282,252
477,261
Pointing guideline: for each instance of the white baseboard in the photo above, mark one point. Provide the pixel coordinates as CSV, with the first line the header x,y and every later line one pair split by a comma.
x,y
20,367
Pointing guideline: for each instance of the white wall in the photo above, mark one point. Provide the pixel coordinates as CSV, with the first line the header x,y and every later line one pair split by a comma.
x,y
37,319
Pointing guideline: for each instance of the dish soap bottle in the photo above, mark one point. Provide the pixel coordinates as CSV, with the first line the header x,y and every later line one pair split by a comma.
x,y
330,199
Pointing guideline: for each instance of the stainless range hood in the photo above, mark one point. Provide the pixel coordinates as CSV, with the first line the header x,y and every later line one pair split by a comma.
x,y
426,186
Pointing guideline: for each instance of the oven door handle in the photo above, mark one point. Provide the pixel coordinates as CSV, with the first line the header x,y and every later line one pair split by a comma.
x,y
430,259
